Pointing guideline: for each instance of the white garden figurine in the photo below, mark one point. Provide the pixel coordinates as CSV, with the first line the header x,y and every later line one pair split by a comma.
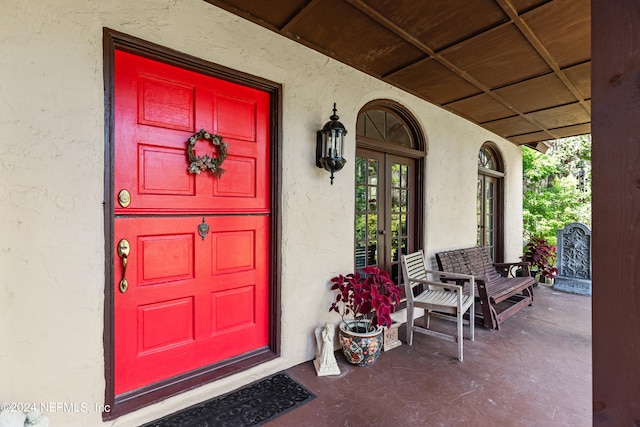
x,y
325,361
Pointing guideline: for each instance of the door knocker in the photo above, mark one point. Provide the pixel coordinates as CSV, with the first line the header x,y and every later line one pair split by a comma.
x,y
203,229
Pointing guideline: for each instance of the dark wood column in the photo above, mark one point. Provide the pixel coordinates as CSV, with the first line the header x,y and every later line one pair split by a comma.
x,y
616,211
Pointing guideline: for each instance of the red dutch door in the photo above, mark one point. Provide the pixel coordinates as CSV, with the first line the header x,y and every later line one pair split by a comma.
x,y
193,249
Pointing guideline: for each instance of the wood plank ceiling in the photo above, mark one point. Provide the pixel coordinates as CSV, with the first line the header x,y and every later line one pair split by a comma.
x,y
519,68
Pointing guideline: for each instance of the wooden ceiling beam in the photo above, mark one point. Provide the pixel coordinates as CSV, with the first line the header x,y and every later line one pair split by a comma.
x,y
292,21
382,20
243,14
508,8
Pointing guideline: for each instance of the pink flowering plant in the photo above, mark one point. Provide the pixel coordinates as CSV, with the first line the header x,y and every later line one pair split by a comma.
x,y
372,296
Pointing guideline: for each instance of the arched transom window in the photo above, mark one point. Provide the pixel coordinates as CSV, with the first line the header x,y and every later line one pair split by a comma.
x,y
380,125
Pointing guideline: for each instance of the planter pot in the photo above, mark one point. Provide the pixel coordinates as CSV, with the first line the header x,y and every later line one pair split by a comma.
x,y
546,280
360,348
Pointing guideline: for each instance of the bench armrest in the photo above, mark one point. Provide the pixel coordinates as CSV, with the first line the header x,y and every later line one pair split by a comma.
x,y
459,278
504,268
519,264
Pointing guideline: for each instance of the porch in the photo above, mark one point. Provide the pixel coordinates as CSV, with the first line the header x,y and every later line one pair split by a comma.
x,y
56,295
535,371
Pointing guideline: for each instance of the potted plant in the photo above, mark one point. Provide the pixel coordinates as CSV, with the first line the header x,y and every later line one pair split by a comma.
x,y
365,303
542,257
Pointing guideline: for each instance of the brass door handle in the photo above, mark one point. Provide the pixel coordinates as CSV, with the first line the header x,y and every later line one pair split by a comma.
x,y
123,252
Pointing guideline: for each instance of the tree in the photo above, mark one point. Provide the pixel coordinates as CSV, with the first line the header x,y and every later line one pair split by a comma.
x,y
557,187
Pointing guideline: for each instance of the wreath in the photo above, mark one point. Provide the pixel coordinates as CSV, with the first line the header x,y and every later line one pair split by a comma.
x,y
206,162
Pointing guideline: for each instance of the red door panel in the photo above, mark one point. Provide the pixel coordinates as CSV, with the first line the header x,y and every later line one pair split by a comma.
x,y
158,107
165,103
191,301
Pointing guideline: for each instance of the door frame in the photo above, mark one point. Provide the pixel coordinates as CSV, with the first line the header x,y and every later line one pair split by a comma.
x,y
128,402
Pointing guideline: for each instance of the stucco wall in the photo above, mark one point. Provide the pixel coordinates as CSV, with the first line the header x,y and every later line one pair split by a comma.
x,y
51,186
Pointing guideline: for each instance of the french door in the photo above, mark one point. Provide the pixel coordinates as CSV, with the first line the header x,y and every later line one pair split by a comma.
x,y
486,211
385,210
490,205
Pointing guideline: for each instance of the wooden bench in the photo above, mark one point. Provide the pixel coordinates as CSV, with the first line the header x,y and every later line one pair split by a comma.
x,y
500,296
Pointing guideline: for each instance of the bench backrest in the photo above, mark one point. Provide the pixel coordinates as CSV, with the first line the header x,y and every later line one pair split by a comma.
x,y
475,261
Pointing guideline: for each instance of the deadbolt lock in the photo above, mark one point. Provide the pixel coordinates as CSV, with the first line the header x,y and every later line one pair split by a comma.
x,y
124,198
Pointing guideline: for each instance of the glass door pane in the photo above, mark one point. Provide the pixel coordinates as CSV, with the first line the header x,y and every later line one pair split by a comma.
x,y
480,211
368,209
487,212
400,212
384,216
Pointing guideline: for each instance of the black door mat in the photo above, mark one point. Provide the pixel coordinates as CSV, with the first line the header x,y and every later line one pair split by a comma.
x,y
251,405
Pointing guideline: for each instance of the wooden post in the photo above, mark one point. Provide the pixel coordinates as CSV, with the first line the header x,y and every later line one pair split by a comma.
x,y
615,85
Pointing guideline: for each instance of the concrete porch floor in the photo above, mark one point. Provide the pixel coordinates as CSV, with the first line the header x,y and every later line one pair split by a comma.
x,y
535,371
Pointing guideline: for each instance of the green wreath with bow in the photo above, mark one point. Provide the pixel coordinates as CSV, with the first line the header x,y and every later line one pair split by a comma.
x,y
213,164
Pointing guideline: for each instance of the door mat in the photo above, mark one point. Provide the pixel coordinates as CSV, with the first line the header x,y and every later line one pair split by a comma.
x,y
251,405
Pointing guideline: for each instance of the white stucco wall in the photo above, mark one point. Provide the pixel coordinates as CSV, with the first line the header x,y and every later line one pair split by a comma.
x,y
51,186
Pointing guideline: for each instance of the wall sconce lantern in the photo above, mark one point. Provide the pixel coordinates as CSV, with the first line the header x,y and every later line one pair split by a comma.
x,y
329,144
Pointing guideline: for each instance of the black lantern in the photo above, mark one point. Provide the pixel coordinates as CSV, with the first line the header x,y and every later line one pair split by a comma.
x,y
329,145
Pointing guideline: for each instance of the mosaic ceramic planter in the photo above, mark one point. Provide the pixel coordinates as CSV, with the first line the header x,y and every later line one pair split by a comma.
x,y
360,348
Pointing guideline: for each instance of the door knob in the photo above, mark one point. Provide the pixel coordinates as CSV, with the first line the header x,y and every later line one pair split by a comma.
x,y
123,252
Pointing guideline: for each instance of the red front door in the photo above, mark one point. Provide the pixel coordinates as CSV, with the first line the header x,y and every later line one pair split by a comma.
x,y
193,298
